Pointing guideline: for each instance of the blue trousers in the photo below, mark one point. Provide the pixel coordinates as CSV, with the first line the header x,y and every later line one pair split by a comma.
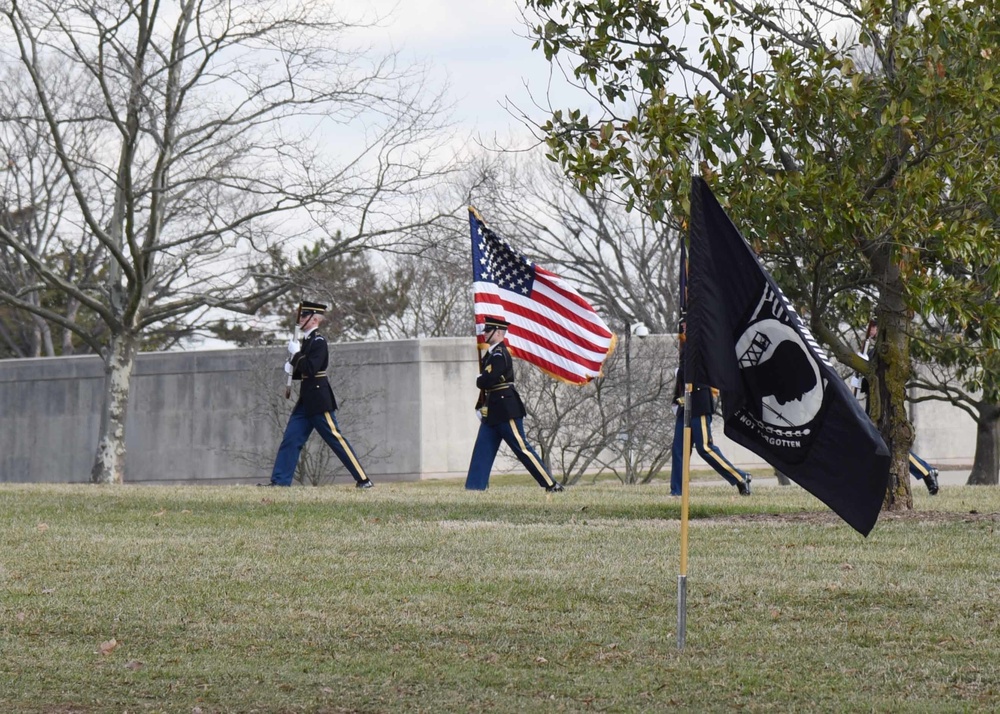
x,y
701,438
297,433
485,452
918,467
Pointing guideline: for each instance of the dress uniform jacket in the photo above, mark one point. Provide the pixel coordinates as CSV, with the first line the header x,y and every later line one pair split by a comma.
x,y
496,380
702,402
309,365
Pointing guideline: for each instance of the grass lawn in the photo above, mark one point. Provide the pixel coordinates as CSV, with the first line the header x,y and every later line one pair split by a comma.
x,y
427,598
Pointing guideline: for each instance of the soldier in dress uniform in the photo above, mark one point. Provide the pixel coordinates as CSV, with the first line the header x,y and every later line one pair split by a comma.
x,y
702,406
501,413
316,407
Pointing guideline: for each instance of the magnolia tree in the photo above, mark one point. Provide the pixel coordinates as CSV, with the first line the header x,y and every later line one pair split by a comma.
x,y
190,146
854,145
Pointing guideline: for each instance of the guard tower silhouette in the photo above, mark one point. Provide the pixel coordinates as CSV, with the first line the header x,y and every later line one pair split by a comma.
x,y
758,346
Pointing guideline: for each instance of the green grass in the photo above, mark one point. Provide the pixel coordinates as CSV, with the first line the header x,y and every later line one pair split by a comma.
x,y
426,598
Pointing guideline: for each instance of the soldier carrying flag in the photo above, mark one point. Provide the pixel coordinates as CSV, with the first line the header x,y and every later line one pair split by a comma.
x,y
548,324
502,415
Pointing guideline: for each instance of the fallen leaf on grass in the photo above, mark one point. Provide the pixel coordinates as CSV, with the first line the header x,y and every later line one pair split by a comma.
x,y
42,527
161,512
541,660
21,616
846,566
134,665
108,647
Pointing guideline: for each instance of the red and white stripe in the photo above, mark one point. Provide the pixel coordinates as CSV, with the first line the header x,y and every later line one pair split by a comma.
x,y
553,327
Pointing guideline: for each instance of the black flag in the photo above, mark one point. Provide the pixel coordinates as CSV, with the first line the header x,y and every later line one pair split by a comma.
x,y
682,284
781,397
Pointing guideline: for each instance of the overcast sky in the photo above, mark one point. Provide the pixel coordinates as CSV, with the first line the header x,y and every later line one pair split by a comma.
x,y
480,46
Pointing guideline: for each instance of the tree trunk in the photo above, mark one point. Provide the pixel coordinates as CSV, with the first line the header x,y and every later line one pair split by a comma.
x,y
72,313
892,372
986,467
43,333
109,462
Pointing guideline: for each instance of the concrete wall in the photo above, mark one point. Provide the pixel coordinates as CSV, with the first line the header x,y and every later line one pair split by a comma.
x,y
217,416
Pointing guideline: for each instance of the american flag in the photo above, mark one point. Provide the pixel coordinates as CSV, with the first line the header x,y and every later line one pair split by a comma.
x,y
551,325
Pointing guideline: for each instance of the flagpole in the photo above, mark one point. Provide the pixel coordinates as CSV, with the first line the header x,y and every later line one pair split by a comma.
x,y
685,500
295,331
686,461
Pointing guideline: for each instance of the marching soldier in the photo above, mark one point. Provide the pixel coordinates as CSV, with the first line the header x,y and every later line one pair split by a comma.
x,y
501,413
316,407
702,406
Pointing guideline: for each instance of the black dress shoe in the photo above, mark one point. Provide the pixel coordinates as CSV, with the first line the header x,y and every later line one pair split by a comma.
x,y
367,483
744,486
555,488
931,482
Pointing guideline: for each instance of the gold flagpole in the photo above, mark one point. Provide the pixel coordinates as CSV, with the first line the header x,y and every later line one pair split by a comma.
x,y
288,382
685,501
686,461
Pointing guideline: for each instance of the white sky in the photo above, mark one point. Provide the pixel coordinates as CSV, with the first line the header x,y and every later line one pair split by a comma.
x,y
480,48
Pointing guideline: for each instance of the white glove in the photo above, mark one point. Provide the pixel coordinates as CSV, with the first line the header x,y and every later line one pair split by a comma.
x,y
674,408
856,382
294,347
479,414
288,368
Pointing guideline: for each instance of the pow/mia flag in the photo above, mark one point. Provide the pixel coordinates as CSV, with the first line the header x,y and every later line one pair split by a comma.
x,y
781,398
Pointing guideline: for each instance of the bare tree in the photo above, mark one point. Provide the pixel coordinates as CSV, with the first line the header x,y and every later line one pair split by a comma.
x,y
619,423
35,198
438,294
198,142
437,268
